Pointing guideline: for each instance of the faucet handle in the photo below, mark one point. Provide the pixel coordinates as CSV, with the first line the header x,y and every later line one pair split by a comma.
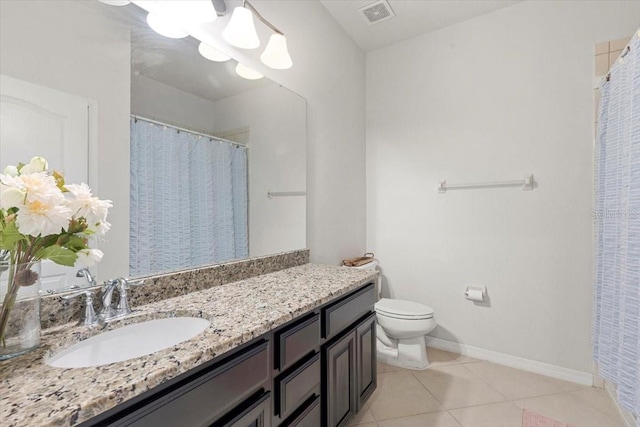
x,y
123,304
90,317
127,283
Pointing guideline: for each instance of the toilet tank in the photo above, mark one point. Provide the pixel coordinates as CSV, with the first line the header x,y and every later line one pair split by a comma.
x,y
372,266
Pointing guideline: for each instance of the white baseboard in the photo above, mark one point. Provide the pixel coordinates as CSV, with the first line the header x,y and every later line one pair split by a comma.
x,y
628,418
580,377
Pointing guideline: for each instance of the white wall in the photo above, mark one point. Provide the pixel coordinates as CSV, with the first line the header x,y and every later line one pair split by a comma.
x,y
69,46
276,119
149,99
497,97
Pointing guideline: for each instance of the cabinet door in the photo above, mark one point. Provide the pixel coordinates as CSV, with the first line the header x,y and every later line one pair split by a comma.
x,y
256,415
366,372
339,394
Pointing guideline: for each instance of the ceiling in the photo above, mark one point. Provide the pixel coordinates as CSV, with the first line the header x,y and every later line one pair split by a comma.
x,y
413,17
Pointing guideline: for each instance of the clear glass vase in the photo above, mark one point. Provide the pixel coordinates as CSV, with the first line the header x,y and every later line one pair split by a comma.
x,y
19,308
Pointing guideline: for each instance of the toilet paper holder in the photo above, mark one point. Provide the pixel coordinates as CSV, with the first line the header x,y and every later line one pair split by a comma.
x,y
475,293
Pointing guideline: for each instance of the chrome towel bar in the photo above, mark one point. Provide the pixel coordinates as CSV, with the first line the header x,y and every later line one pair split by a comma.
x,y
526,184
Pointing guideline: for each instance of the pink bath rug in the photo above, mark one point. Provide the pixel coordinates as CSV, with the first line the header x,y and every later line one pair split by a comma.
x,y
533,419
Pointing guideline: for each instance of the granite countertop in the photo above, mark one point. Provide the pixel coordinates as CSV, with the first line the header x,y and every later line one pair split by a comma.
x,y
35,394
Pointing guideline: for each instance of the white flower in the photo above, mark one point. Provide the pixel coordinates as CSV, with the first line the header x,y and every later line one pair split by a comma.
x,y
84,205
101,228
12,193
11,197
37,164
37,218
42,211
11,170
89,257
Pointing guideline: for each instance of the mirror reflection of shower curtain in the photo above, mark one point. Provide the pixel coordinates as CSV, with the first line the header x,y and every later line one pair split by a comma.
x,y
189,198
616,317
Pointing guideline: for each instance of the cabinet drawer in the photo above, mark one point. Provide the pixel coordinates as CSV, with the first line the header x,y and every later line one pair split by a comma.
x,y
341,314
294,387
296,341
256,415
309,417
207,398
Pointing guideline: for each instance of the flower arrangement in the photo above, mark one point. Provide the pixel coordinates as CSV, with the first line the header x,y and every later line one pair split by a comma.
x,y
42,217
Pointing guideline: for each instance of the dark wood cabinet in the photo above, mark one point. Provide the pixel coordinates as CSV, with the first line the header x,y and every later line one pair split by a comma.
x,y
349,357
340,387
366,369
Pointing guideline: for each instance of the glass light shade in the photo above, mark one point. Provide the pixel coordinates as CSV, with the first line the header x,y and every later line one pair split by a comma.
x,y
240,31
115,2
247,73
164,27
211,53
189,11
276,55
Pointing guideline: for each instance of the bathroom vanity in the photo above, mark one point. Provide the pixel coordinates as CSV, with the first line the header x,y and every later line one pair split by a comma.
x,y
290,348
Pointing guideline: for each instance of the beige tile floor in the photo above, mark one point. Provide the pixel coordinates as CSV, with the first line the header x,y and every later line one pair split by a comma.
x,y
459,391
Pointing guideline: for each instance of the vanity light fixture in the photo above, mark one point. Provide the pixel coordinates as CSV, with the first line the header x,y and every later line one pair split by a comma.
x,y
241,32
176,18
247,73
211,53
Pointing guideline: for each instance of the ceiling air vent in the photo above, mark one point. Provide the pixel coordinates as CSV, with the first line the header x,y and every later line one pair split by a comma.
x,y
377,12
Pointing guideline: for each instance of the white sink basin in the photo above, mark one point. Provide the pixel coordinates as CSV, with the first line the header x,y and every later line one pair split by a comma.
x,y
128,342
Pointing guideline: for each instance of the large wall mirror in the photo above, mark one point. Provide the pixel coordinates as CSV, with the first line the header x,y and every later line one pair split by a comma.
x,y
177,141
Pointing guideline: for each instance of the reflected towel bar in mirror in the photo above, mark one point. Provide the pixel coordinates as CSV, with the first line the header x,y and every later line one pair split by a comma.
x,y
272,194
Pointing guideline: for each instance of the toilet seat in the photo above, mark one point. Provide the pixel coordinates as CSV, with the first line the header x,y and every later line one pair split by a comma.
x,y
401,309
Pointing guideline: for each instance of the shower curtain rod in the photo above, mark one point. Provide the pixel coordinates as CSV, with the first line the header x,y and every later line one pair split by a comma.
x,y
181,129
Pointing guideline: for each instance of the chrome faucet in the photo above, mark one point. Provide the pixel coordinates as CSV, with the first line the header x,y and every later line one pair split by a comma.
x,y
84,272
108,312
123,308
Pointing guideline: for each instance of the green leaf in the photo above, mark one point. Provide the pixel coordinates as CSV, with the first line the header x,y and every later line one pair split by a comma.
x,y
59,255
76,243
10,236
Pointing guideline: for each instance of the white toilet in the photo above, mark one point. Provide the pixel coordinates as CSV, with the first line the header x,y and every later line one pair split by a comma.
x,y
401,328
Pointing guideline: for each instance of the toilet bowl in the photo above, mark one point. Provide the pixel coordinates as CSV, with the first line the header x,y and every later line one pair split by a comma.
x,y
402,326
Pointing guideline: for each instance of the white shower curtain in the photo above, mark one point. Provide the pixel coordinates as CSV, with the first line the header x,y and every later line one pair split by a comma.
x,y
616,323
188,200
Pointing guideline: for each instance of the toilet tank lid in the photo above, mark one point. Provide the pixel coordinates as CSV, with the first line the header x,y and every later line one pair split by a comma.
x,y
398,306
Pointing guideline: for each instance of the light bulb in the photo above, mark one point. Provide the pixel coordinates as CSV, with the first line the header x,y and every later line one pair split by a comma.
x,y
275,55
164,27
247,73
211,53
240,31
